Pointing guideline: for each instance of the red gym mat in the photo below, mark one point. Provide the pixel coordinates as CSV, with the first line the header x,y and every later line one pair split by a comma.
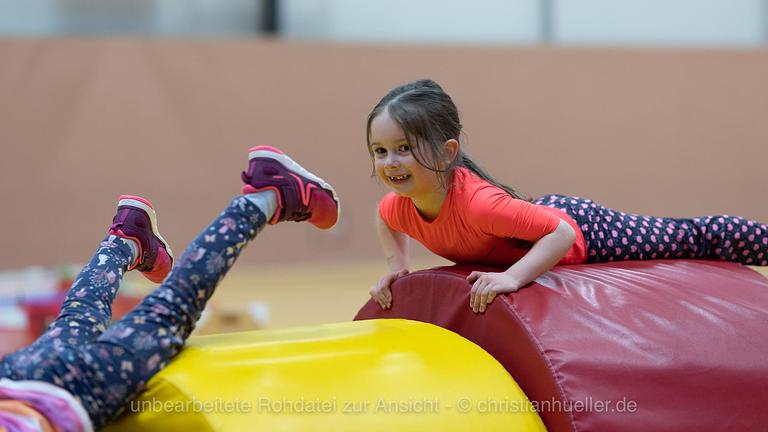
x,y
633,346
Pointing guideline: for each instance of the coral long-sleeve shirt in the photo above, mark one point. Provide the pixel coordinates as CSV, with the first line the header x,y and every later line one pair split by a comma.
x,y
480,223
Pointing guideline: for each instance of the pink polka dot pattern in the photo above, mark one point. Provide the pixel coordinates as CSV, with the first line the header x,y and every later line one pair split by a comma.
x,y
720,237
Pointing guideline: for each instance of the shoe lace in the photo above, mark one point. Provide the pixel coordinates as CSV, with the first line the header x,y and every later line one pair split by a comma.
x,y
299,216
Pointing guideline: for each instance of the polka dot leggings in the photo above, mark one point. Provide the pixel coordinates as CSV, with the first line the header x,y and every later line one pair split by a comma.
x,y
612,235
104,366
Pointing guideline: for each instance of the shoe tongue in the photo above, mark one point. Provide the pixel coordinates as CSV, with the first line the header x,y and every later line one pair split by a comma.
x,y
140,223
126,216
119,219
270,170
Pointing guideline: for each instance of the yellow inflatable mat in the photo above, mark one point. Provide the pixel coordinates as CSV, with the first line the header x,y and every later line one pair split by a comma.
x,y
367,375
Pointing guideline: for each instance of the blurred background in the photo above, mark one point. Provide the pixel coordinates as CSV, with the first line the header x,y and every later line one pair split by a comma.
x,y
653,107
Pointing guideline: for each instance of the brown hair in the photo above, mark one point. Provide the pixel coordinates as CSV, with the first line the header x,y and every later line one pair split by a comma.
x,y
429,118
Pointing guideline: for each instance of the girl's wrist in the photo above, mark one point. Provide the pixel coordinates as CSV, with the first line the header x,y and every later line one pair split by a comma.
x,y
396,264
513,277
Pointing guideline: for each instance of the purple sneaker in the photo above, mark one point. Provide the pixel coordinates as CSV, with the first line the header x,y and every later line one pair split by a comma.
x,y
301,195
136,220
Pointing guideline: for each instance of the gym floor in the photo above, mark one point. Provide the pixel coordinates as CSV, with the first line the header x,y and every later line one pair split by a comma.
x,y
286,296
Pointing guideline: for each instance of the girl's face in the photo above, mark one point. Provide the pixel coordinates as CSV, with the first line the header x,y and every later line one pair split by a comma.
x,y
395,164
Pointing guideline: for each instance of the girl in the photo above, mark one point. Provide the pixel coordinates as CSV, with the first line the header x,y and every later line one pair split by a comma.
x,y
444,200
81,372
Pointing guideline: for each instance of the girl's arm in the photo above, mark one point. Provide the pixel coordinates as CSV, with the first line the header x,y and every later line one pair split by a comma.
x,y
395,246
544,254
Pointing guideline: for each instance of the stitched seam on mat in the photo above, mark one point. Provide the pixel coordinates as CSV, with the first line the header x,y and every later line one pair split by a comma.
x,y
538,345
534,340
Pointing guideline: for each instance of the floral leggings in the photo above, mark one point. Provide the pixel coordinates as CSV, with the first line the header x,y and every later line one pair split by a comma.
x,y
106,366
612,235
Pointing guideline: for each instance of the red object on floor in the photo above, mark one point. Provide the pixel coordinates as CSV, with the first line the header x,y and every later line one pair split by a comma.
x,y
633,346
41,312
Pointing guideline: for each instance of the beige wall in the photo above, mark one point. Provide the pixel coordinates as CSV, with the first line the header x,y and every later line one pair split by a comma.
x,y
668,132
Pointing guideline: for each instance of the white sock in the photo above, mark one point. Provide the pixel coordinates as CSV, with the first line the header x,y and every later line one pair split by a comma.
x,y
265,200
134,248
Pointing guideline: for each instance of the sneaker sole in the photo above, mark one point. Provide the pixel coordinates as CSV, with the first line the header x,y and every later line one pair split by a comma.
x,y
141,203
290,164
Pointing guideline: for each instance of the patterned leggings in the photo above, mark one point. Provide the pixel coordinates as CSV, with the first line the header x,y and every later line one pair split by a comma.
x,y
615,236
106,366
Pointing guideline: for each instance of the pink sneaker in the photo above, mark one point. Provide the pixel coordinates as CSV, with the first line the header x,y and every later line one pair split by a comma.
x,y
136,220
301,195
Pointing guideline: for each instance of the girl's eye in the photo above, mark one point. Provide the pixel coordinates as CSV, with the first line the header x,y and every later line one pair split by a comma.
x,y
379,151
405,148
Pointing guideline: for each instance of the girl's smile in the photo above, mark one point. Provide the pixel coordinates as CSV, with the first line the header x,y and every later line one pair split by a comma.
x,y
399,178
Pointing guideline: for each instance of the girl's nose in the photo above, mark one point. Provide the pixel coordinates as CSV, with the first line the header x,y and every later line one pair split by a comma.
x,y
393,161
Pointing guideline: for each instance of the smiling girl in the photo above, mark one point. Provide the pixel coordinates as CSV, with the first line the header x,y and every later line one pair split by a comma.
x,y
441,198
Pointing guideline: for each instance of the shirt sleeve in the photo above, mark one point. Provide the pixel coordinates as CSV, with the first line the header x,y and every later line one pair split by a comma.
x,y
388,212
494,212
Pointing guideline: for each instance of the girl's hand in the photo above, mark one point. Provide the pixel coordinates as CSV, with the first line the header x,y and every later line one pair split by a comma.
x,y
486,286
381,292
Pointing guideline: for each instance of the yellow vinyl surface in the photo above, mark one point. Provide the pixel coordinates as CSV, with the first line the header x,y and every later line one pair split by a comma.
x,y
393,375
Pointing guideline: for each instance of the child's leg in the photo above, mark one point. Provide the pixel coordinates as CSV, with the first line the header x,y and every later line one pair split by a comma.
x,y
105,373
731,238
613,235
133,349
87,308
132,242
110,371
168,315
